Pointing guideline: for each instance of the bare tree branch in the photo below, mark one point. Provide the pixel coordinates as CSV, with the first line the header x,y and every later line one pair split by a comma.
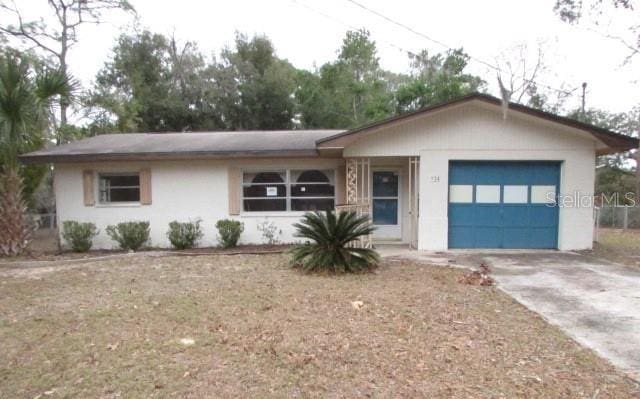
x,y
521,75
573,12
25,31
69,14
635,49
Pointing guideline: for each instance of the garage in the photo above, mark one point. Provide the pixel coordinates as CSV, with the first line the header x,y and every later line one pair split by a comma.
x,y
503,204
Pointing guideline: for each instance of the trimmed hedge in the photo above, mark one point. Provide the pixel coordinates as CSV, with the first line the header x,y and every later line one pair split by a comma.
x,y
79,236
229,232
184,235
130,235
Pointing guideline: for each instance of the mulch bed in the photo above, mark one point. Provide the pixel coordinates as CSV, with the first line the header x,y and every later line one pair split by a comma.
x,y
34,258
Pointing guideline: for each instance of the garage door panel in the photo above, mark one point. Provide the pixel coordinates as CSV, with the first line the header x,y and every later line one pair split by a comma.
x,y
516,216
543,216
461,237
487,174
487,237
518,237
504,211
462,175
461,215
486,215
544,174
515,174
545,236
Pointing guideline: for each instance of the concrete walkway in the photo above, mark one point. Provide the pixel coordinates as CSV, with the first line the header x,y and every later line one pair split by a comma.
x,y
595,302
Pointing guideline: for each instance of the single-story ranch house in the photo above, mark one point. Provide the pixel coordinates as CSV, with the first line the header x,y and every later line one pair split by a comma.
x,y
468,173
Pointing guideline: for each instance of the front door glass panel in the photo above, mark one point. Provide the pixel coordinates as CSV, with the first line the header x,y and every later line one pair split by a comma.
x,y
385,198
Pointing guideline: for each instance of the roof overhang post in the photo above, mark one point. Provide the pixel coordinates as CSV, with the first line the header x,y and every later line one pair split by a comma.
x,y
414,199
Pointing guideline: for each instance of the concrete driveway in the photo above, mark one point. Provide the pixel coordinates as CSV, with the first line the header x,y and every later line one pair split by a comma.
x,y
595,302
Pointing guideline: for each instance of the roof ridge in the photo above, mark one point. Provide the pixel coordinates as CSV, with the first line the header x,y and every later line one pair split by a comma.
x,y
226,131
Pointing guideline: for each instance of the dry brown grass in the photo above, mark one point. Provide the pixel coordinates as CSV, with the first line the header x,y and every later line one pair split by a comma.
x,y
114,328
621,246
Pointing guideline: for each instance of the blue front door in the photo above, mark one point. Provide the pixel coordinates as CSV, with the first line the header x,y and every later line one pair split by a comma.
x,y
503,204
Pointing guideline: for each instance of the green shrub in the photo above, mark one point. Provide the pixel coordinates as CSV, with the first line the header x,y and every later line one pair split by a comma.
x,y
327,247
129,235
229,232
78,235
184,235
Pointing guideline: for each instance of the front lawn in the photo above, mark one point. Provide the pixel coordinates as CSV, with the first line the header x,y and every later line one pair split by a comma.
x,y
621,246
248,326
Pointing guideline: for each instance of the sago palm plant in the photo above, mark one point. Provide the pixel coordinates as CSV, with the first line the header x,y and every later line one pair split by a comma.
x,y
327,237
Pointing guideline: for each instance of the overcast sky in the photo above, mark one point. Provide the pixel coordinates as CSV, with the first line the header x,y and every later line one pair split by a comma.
x,y
309,32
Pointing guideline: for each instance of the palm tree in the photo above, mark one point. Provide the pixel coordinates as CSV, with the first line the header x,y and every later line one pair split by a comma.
x,y
329,243
26,101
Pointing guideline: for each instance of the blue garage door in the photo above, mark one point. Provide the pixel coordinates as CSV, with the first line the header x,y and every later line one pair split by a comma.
x,y
503,204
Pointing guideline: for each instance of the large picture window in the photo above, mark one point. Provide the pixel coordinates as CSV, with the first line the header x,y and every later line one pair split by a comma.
x,y
119,187
288,190
264,191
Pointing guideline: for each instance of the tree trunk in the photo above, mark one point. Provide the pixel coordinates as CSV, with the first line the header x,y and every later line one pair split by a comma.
x,y
63,101
64,105
637,198
17,229
64,48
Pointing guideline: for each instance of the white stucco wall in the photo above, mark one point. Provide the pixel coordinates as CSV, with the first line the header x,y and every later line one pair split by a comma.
x,y
476,132
181,190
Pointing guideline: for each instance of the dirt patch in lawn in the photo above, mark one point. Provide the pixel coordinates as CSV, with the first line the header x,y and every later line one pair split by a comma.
x,y
249,326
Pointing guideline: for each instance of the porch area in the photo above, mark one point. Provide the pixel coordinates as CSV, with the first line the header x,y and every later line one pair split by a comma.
x,y
386,190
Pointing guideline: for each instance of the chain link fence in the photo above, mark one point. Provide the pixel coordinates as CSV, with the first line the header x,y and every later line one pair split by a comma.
x,y
45,221
619,217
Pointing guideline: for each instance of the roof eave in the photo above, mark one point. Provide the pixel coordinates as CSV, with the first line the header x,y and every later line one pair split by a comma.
x,y
35,158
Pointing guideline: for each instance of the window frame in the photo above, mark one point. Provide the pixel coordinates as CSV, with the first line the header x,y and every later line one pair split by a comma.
x,y
287,183
101,175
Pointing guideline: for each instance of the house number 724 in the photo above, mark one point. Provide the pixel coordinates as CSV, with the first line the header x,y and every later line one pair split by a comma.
x,y
435,179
